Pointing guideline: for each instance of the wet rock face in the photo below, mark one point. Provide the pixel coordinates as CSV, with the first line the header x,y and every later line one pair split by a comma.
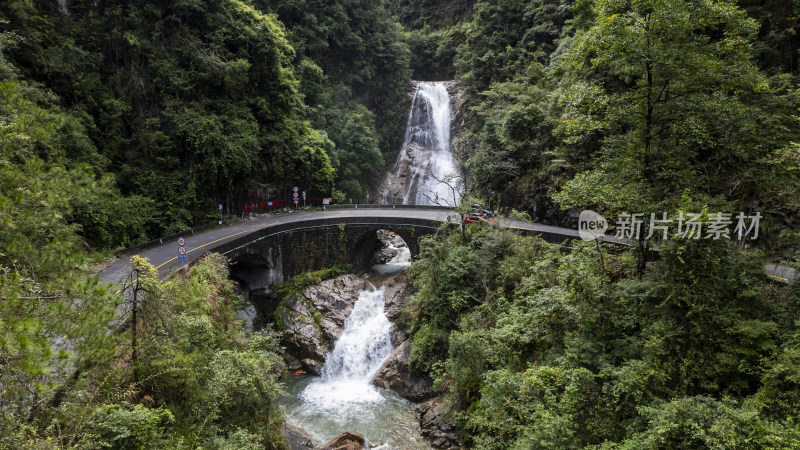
x,y
395,375
296,438
313,320
397,295
436,426
334,299
385,255
349,440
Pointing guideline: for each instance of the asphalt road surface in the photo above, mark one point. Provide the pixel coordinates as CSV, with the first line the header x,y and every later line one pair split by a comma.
x,y
165,257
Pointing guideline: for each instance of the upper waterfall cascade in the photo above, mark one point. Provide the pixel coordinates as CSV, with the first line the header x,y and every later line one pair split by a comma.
x,y
425,172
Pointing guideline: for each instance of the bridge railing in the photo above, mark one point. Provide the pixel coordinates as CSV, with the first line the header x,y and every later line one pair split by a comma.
x,y
172,237
375,206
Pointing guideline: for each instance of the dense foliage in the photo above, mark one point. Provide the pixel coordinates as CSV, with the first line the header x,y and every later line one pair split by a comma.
x,y
635,106
176,107
124,120
540,346
163,364
364,62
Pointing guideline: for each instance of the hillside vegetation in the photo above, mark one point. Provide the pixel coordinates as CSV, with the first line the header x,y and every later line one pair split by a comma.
x,y
122,121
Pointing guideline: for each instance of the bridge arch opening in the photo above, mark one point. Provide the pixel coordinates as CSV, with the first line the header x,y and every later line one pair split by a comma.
x,y
379,246
255,271
255,276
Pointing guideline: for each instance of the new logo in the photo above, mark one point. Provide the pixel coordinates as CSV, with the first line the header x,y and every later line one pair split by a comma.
x,y
591,225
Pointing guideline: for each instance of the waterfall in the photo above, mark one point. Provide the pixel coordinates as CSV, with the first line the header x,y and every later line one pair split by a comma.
x,y
356,356
63,7
425,172
400,262
343,397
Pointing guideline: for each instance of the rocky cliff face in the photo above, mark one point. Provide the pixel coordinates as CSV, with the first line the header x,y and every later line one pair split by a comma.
x,y
313,320
437,425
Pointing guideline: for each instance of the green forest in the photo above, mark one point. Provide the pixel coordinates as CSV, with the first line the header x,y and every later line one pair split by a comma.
x,y
123,121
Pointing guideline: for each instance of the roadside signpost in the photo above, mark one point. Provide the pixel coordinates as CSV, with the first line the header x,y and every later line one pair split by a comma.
x,y
304,199
220,213
181,248
182,252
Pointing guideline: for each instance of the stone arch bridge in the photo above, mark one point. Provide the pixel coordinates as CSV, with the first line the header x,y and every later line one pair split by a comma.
x,y
274,248
275,254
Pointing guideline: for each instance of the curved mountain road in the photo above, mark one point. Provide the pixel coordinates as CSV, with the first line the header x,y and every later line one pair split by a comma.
x,y
165,256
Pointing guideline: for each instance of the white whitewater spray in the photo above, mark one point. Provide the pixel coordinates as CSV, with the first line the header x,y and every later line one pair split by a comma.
x,y
359,352
63,7
400,261
356,356
343,397
425,172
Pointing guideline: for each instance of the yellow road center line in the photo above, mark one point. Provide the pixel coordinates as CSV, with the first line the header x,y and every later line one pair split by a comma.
x,y
209,243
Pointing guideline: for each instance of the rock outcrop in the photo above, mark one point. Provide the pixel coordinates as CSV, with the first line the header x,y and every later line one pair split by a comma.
x,y
436,426
296,438
349,440
397,295
313,320
394,374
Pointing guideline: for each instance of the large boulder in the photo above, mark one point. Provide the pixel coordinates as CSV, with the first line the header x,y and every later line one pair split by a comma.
x,y
394,374
296,438
349,440
437,426
301,334
313,320
335,298
397,295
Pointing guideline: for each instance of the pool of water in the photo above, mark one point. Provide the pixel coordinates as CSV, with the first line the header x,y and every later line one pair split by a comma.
x,y
380,415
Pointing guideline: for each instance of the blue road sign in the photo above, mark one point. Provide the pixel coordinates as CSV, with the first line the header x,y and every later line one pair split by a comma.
x,y
181,256
220,206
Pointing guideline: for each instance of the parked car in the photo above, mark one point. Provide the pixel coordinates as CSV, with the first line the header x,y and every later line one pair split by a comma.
x,y
479,218
477,208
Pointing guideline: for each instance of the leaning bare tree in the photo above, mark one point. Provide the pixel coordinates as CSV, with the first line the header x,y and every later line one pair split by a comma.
x,y
455,184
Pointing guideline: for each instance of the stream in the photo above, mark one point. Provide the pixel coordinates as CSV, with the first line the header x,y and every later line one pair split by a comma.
x,y
343,397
